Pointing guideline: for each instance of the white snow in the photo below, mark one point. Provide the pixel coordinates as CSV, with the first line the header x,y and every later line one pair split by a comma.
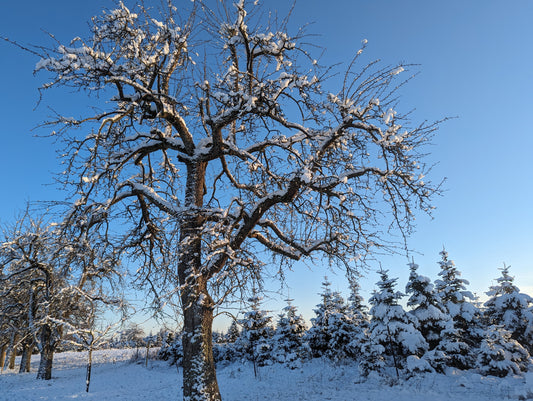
x,y
115,377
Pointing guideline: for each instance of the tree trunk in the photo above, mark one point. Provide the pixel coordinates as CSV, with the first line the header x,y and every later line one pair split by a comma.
x,y
89,368
9,360
25,359
3,350
199,376
47,354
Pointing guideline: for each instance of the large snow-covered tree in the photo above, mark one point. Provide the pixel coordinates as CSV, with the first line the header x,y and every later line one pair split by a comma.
x,y
216,137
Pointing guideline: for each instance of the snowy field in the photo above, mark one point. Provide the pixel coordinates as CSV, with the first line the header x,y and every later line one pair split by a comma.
x,y
115,377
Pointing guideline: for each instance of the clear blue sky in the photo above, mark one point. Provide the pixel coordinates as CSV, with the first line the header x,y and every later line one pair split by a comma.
x,y
476,63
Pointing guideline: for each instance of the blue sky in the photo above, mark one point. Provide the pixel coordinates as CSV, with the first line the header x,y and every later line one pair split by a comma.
x,y
476,63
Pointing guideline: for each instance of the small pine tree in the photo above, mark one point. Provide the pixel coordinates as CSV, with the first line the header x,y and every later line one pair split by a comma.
x,y
509,307
225,349
333,328
359,315
500,355
288,346
426,307
172,349
318,336
466,316
254,341
341,329
233,332
392,336
459,302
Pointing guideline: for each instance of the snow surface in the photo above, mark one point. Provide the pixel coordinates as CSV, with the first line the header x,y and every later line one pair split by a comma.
x,y
116,377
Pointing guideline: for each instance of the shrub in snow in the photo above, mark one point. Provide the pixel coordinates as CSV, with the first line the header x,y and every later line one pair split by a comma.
x,y
509,307
500,355
415,365
430,314
392,336
172,349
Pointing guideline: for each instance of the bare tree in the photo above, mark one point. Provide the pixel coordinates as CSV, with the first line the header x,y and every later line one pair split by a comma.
x,y
50,282
220,145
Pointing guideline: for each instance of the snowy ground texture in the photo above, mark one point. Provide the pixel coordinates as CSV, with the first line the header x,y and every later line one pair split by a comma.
x,y
116,377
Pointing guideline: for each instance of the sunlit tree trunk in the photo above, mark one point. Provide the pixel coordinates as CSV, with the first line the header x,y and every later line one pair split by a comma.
x,y
46,349
3,350
25,359
199,377
9,360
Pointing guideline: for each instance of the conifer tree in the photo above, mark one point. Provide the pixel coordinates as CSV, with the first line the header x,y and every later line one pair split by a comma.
x,y
392,336
426,307
318,336
500,355
459,339
510,308
288,343
332,328
360,318
253,342
459,303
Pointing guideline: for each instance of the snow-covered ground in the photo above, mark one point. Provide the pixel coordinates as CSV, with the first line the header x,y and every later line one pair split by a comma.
x,y
115,377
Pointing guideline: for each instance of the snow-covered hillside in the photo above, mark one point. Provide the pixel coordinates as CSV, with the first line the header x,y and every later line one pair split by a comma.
x,y
115,377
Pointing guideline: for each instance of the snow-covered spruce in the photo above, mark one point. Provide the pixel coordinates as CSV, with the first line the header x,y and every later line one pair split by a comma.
x,y
332,329
254,341
500,355
467,331
287,342
508,307
392,333
426,306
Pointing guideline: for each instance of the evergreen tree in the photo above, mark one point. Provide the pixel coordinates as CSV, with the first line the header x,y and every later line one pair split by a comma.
x,y
509,307
253,342
459,303
426,307
233,332
288,345
333,328
360,318
318,335
500,355
392,336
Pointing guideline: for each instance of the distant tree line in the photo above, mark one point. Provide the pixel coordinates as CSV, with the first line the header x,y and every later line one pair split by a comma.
x,y
444,326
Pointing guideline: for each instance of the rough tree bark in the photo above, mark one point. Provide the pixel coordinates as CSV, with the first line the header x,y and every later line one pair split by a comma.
x,y
3,350
198,362
25,359
9,361
46,348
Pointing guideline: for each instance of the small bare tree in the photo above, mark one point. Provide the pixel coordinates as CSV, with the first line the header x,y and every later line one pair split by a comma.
x,y
220,143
